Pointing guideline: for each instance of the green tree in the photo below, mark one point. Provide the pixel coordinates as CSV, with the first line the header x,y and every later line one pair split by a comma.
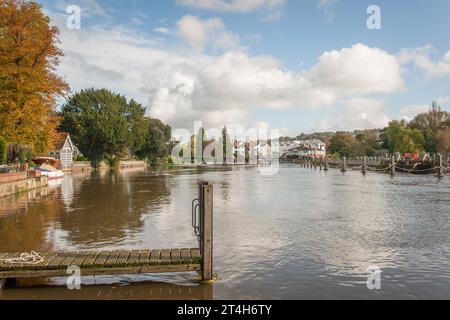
x,y
430,123
342,144
367,142
156,141
3,151
227,149
403,139
103,125
443,141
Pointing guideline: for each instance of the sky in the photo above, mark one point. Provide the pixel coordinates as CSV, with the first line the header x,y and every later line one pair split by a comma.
x,y
293,65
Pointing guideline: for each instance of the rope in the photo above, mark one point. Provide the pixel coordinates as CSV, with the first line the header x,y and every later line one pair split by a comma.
x,y
25,258
378,170
414,171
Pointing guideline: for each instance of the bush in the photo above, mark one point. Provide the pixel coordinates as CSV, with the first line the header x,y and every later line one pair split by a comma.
x,y
20,153
3,151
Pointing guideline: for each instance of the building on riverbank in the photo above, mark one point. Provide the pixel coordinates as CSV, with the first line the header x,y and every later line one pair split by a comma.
x,y
65,150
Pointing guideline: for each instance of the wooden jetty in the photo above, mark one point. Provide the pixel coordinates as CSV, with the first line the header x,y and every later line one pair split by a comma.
x,y
92,263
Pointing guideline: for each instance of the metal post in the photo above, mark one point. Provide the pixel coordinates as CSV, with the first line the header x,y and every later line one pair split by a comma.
x,y
441,167
206,227
2,283
393,164
364,167
344,164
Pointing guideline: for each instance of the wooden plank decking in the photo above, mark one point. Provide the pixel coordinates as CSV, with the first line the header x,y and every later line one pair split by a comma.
x,y
104,263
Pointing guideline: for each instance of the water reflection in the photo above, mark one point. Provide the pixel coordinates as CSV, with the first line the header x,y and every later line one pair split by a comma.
x,y
137,291
106,208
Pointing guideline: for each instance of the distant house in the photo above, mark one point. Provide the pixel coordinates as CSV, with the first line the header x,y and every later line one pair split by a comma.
x,y
65,150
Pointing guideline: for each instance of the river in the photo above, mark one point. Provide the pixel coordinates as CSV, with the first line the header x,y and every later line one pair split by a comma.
x,y
300,234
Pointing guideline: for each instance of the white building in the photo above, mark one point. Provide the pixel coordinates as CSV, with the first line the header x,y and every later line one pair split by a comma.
x,y
65,150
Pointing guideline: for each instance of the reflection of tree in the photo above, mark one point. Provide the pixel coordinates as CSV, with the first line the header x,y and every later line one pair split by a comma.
x,y
24,221
108,207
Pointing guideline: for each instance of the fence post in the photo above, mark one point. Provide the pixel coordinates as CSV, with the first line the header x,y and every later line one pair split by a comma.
x,y
393,164
441,167
344,164
206,227
364,167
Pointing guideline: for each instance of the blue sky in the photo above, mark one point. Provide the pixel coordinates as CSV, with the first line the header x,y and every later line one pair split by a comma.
x,y
295,65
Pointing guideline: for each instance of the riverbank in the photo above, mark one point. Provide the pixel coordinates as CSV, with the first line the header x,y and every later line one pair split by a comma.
x,y
16,183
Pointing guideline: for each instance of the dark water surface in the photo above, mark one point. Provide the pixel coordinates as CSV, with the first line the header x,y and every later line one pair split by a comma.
x,y
300,234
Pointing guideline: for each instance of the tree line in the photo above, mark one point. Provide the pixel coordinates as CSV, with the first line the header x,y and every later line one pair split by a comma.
x,y
104,125
428,132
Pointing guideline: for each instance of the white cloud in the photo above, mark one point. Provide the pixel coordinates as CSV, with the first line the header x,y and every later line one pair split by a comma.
x,y
358,114
326,3
180,86
210,33
357,70
422,59
233,5
164,30
327,6
410,112
443,101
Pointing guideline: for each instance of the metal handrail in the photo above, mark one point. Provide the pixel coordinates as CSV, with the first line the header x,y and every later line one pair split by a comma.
x,y
195,218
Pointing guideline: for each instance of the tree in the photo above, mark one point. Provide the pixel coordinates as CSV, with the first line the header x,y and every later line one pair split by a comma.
x,y
139,126
104,125
429,123
403,139
156,138
367,142
443,141
226,143
3,151
342,144
29,85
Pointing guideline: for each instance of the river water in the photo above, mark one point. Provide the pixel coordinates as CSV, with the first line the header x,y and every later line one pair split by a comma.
x,y
300,234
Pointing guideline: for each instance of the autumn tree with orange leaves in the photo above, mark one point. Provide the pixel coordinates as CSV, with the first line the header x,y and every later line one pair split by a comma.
x,y
29,85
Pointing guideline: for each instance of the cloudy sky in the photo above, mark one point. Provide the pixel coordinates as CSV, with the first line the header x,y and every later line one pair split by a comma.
x,y
294,65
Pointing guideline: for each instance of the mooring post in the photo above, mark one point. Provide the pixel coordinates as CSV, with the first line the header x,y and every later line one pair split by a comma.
x,y
206,225
441,167
364,167
326,164
344,164
2,283
393,165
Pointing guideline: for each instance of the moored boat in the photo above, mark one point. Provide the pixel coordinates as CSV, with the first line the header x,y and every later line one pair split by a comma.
x,y
49,167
